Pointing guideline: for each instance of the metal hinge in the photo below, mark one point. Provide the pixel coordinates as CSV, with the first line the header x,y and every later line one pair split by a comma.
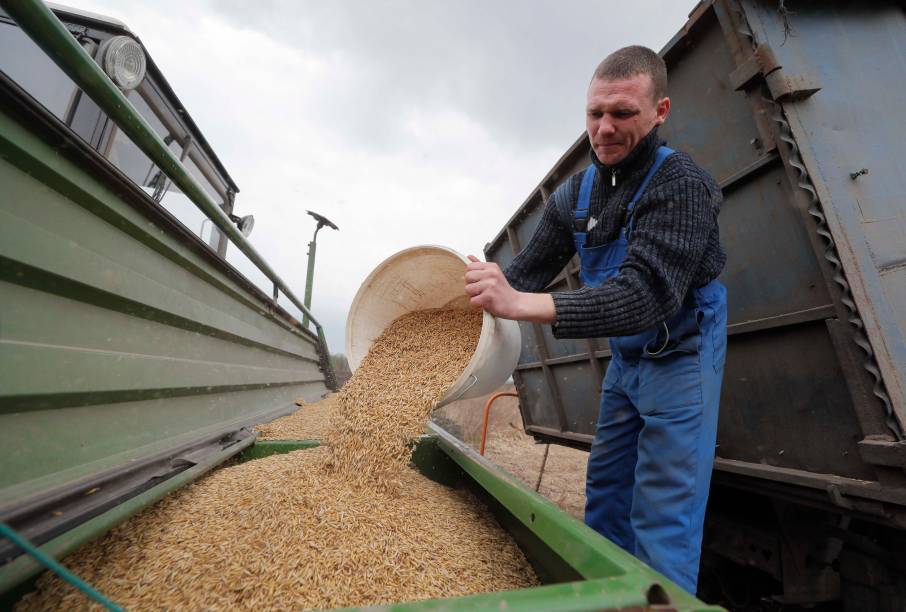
x,y
784,87
883,452
77,30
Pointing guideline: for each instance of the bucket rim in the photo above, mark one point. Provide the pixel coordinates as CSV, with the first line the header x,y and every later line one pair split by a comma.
x,y
458,387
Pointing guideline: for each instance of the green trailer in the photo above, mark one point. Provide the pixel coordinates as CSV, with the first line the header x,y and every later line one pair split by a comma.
x,y
579,570
134,358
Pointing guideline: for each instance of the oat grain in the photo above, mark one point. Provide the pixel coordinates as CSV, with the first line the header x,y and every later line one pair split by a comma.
x,y
348,523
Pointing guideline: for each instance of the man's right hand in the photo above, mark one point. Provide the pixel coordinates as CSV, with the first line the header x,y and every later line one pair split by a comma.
x,y
489,289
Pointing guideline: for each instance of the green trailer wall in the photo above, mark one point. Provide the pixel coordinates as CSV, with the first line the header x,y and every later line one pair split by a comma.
x,y
125,342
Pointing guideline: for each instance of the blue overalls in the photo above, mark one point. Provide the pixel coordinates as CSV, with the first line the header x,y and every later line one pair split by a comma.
x,y
650,464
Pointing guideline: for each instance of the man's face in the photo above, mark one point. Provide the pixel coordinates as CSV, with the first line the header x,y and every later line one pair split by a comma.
x,y
619,114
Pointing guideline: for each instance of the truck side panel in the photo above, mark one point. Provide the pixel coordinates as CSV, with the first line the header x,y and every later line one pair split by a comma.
x,y
812,391
124,340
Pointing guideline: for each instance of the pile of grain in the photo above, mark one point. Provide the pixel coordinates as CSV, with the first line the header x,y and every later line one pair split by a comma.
x,y
278,533
309,422
386,403
302,530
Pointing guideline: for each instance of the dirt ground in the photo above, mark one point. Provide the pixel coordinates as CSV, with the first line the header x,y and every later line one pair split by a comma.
x,y
563,478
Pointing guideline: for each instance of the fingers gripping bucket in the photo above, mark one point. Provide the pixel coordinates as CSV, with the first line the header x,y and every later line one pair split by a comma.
x,y
430,277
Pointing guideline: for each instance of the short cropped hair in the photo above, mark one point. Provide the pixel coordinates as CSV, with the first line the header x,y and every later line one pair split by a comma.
x,y
628,62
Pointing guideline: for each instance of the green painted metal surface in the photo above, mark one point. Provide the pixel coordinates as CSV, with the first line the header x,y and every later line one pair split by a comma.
x,y
122,343
116,338
266,448
310,273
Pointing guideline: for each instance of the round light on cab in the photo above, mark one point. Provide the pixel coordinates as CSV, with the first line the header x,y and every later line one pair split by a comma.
x,y
124,61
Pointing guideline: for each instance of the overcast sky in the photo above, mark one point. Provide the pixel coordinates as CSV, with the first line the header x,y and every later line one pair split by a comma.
x,y
405,123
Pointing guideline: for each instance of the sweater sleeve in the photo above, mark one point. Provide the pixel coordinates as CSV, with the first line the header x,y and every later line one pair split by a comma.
x,y
549,249
670,232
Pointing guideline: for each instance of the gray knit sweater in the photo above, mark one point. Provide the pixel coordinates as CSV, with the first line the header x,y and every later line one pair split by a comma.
x,y
674,245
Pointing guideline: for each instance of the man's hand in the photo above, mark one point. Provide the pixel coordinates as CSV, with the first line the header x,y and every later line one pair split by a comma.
x,y
488,288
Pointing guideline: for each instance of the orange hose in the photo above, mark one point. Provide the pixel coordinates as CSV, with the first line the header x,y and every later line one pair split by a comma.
x,y
487,413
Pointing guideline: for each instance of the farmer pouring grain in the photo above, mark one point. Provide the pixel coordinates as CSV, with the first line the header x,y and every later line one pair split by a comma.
x,y
643,220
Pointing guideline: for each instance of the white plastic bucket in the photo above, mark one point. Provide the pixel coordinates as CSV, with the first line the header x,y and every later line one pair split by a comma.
x,y
431,277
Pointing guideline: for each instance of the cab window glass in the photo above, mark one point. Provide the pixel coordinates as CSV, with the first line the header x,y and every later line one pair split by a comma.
x,y
130,160
138,101
158,182
175,201
26,64
126,155
136,165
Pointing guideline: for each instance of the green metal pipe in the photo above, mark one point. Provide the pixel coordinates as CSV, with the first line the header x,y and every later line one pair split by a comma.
x,y
43,27
24,567
310,274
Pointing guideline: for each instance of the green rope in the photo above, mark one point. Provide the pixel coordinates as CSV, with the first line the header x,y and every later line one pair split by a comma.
x,y
53,566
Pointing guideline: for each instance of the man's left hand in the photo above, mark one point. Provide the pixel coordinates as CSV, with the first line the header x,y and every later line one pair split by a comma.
x,y
488,288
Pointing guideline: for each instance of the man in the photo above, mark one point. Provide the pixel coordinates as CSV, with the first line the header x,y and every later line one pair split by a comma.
x,y
643,219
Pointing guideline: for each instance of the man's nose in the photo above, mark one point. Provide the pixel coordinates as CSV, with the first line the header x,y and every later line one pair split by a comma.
x,y
605,126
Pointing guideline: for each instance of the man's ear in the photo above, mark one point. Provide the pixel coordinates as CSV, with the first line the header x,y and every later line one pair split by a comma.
x,y
663,109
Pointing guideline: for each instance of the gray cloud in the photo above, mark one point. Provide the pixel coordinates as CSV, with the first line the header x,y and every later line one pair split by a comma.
x,y
518,68
404,122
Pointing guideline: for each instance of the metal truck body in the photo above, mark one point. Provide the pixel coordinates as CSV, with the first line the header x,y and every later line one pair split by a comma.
x,y
797,111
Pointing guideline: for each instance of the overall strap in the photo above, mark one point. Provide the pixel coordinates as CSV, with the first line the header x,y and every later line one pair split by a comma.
x,y
662,154
581,213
